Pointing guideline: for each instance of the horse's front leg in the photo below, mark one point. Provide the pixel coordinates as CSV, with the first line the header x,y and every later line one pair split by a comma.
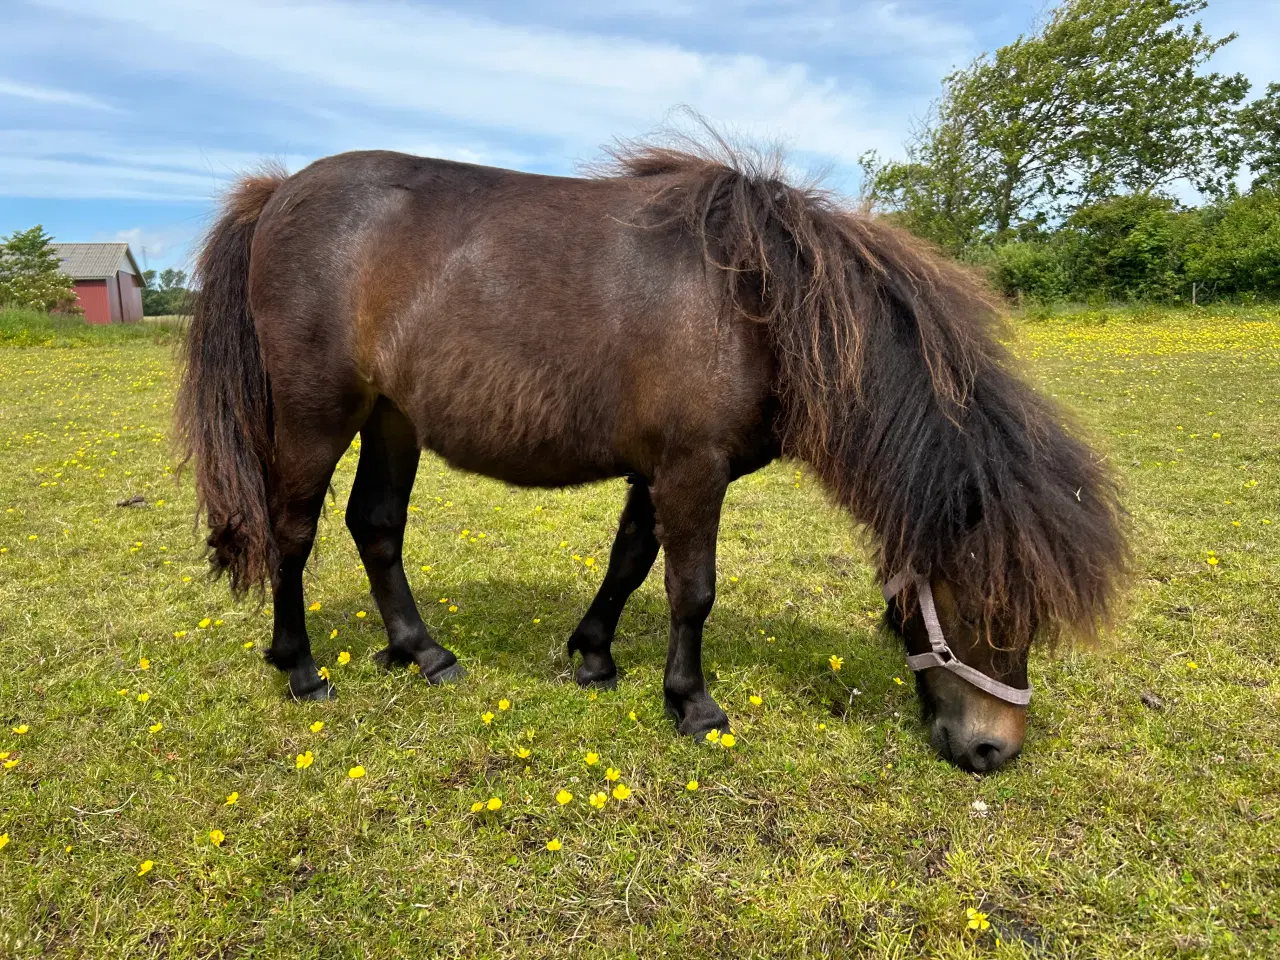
x,y
687,496
632,556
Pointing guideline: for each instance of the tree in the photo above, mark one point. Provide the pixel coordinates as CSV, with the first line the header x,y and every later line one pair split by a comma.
x,y
1107,95
31,273
1260,127
165,293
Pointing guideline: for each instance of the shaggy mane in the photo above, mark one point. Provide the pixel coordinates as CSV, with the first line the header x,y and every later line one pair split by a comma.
x,y
895,387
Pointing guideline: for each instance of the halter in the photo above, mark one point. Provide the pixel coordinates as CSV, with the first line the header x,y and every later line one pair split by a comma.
x,y
941,654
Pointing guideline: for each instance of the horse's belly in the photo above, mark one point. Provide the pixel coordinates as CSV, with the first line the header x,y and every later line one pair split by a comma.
x,y
518,431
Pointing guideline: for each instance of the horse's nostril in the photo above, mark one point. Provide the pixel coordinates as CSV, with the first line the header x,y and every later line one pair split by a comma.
x,y
987,755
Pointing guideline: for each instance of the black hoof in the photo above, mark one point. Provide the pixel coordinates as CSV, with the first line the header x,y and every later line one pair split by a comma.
x,y
450,674
309,685
596,670
698,716
435,663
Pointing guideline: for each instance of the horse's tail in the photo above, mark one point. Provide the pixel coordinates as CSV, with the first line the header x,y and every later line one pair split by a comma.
x,y
224,417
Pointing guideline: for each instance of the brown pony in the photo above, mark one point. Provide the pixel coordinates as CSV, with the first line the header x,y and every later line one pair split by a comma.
x,y
682,318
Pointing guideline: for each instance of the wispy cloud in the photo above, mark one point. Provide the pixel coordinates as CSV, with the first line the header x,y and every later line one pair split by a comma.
x,y
572,88
65,98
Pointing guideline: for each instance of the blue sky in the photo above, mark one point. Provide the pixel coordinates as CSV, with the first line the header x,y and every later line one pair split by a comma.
x,y
123,119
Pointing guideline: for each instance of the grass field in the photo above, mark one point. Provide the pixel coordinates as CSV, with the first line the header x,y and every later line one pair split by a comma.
x,y
1140,821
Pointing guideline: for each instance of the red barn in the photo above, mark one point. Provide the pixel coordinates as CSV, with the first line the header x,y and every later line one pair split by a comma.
x,y
108,281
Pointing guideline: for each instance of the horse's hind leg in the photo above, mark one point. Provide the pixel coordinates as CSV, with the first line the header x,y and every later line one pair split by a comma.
x,y
687,496
305,459
376,515
630,560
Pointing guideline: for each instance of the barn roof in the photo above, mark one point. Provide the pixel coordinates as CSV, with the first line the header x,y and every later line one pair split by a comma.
x,y
96,261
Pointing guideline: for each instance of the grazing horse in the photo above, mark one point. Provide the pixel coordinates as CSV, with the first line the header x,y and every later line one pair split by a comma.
x,y
681,318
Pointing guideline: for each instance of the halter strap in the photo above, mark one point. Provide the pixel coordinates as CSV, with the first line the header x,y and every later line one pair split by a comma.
x,y
940,654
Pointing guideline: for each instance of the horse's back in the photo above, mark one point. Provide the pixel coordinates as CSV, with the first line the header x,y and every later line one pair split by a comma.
x,y
538,329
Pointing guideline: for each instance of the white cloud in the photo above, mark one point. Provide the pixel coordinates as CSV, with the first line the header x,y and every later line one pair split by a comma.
x,y
579,89
66,98
154,244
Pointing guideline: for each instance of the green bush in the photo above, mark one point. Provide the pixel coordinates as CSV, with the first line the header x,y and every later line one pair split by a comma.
x,y
1130,248
1031,269
1239,256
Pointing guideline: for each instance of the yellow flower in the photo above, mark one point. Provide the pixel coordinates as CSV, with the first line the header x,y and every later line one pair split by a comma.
x,y
477,806
143,697
494,804
304,760
713,736
537,619
504,704
204,624
232,797
486,717
453,608
1192,665
4,754
145,867
563,797
898,681
1212,561
4,841
10,764
611,774
315,606
317,726
728,741
216,837
179,634
590,562
123,691
621,792
598,800
591,759
756,700
552,845
836,662
632,717
977,919
344,658
356,772
144,663
324,673
248,644
522,753
360,614
156,727
20,729
691,785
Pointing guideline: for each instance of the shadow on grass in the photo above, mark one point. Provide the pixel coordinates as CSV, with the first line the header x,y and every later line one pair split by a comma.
x,y
787,652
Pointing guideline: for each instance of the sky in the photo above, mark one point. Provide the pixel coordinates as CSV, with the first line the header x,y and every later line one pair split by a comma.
x,y
124,119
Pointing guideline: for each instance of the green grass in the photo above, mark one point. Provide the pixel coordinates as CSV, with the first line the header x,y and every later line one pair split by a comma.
x,y
1127,828
33,328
